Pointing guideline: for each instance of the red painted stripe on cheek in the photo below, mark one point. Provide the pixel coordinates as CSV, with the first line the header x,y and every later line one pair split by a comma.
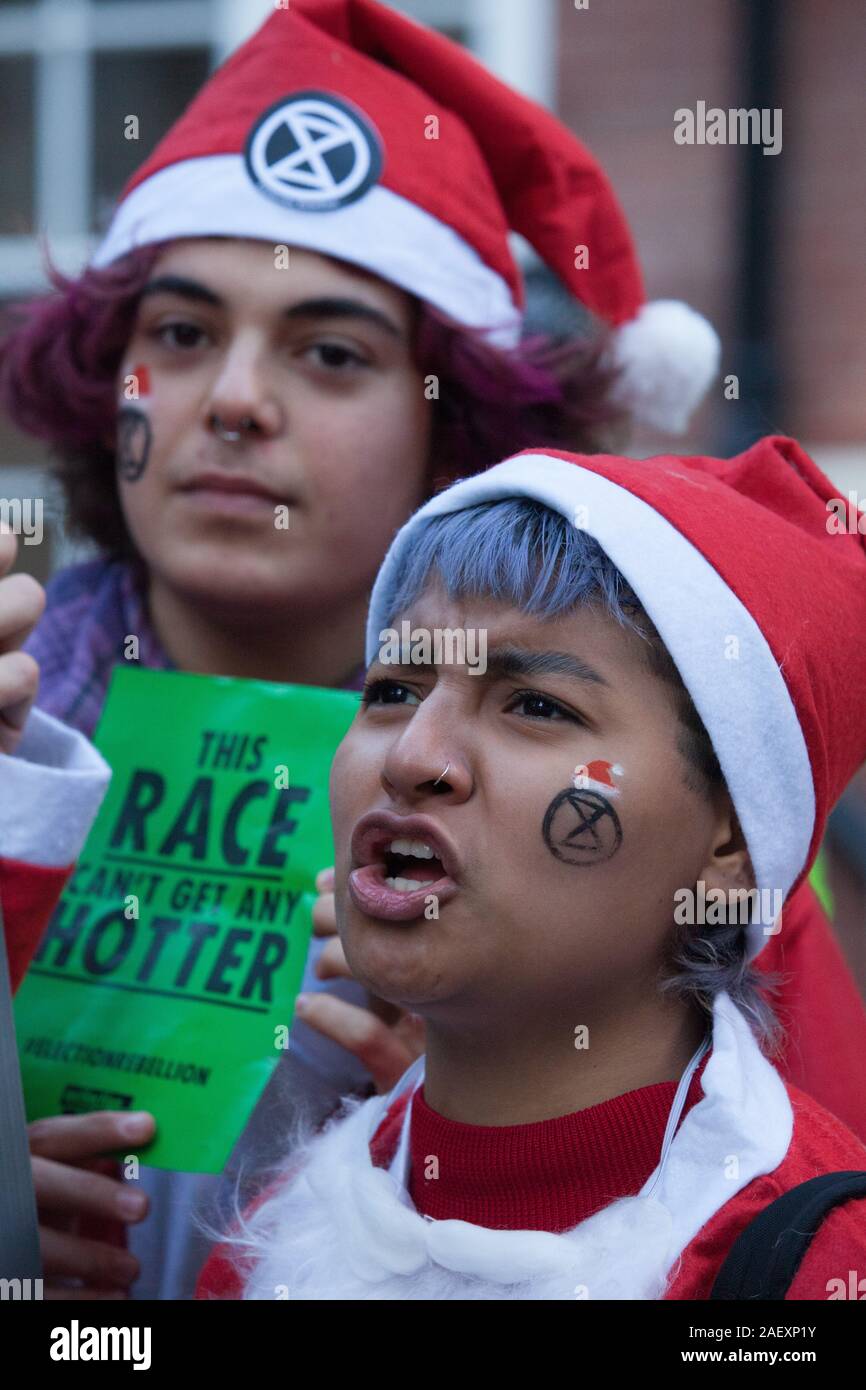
x,y
142,375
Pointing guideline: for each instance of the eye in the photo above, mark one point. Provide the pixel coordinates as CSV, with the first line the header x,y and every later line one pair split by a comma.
x,y
335,357
386,692
179,334
531,704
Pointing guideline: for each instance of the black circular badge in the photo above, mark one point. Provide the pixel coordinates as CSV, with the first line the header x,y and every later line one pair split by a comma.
x,y
314,152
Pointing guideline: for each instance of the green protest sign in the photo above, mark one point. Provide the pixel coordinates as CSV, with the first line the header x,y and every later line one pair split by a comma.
x,y
166,978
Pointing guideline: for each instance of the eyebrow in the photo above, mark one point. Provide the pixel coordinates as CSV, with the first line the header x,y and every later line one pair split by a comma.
x,y
333,308
326,306
520,661
180,285
510,661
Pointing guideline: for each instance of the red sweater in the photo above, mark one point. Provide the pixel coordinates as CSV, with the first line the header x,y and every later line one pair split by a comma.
x,y
533,1177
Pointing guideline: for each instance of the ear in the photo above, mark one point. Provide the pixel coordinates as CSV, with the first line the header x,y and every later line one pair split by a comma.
x,y
728,863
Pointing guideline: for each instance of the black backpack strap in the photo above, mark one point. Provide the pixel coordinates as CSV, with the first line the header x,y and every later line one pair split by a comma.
x,y
764,1258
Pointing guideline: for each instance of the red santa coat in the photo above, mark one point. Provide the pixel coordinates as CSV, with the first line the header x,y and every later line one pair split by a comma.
x,y
819,1144
821,1009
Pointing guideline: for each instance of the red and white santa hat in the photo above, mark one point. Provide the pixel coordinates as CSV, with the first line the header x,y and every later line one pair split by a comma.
x,y
346,128
760,602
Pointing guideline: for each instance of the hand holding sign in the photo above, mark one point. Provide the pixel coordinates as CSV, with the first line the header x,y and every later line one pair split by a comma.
x,y
165,980
21,603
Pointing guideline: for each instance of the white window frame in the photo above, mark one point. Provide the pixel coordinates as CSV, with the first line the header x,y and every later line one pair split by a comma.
x,y
515,38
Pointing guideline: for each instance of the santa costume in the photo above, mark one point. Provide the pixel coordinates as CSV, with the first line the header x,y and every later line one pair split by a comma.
x,y
642,1196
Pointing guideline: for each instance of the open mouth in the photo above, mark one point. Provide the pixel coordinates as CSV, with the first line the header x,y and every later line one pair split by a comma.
x,y
398,874
410,865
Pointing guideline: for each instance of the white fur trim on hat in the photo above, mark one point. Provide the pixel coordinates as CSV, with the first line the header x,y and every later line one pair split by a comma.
x,y
383,232
667,355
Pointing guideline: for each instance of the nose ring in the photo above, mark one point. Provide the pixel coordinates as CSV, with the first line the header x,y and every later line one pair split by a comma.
x,y
441,775
231,436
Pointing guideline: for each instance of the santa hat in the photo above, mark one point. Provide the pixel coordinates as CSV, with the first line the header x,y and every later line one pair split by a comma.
x,y
346,128
760,601
598,776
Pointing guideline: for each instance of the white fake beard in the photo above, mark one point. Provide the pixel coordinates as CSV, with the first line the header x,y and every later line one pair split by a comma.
x,y
339,1230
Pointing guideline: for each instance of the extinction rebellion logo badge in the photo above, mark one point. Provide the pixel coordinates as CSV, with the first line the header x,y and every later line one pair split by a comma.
x,y
314,152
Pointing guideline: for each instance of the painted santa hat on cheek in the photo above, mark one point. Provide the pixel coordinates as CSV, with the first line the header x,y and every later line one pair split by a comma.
x,y
598,776
760,602
345,128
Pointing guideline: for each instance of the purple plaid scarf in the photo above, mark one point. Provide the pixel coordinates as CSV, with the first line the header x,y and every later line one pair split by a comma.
x,y
92,609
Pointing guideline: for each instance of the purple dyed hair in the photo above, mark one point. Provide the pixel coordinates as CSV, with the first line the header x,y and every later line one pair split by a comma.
x,y
60,357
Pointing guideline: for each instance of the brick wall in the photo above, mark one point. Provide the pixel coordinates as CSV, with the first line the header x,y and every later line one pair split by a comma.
x,y
624,67
822,260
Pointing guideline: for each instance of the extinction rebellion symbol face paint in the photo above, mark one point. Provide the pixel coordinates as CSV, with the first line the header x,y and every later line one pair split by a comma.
x,y
314,152
134,432
581,827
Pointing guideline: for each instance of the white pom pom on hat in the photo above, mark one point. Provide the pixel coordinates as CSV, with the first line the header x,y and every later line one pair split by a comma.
x,y
667,357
